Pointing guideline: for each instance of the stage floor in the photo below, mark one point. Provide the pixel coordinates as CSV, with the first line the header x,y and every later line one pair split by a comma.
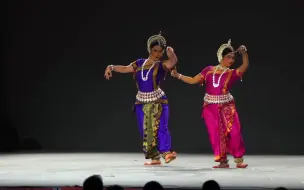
x,y
187,171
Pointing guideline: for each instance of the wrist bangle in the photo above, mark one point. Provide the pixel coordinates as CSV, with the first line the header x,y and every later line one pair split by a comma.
x,y
180,75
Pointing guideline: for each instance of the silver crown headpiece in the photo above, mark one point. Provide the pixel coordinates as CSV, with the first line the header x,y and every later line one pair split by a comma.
x,y
159,38
221,49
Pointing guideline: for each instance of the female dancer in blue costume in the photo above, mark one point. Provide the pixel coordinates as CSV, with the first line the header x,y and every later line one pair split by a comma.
x,y
151,105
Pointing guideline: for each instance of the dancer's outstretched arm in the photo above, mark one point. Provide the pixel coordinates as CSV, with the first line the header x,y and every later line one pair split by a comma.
x,y
118,68
189,80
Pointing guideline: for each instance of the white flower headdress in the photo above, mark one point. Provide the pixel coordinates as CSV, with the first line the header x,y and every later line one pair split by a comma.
x,y
221,49
159,38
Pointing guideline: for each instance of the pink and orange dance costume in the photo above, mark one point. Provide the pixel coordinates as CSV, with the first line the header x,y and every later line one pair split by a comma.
x,y
221,116
219,110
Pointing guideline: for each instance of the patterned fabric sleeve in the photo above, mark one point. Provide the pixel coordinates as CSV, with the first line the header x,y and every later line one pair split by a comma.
x,y
134,65
204,72
137,64
236,76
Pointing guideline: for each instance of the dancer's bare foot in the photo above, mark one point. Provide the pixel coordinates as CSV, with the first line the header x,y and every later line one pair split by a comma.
x,y
241,165
170,157
153,162
222,165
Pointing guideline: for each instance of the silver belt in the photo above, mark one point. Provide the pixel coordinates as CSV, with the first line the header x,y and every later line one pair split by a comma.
x,y
218,99
147,97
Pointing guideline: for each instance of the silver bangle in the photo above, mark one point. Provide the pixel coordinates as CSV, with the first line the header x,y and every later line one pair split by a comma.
x,y
180,75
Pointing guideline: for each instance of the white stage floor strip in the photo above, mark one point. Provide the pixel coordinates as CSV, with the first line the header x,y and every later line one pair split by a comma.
x,y
187,170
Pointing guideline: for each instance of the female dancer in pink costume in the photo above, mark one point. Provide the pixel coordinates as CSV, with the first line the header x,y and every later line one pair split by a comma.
x,y
219,111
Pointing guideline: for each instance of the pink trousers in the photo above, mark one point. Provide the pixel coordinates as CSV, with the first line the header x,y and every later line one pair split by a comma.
x,y
224,131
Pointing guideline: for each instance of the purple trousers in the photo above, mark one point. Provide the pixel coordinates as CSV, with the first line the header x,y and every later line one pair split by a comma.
x,y
152,121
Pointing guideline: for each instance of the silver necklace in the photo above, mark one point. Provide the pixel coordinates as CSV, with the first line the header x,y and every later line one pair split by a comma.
x,y
147,74
215,85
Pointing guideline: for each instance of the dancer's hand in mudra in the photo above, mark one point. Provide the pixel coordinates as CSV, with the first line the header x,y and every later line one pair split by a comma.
x,y
170,51
108,73
174,73
242,49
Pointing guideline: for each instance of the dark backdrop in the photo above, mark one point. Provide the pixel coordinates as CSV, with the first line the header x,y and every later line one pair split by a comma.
x,y
58,100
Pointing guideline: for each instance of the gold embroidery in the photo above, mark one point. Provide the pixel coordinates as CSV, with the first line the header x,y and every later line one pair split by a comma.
x,y
226,119
239,74
224,90
164,67
238,160
221,159
155,72
202,79
152,113
164,154
156,157
146,67
161,101
137,85
227,113
134,65
223,137
217,158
